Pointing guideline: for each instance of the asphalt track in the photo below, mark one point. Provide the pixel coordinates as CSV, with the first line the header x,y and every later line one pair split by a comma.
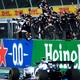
x,y
2,77
5,71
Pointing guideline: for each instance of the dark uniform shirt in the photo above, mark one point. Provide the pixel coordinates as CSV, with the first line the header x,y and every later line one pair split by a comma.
x,y
26,27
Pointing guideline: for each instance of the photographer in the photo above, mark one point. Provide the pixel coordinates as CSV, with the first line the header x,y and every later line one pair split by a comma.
x,y
78,18
41,4
24,24
65,27
27,27
73,21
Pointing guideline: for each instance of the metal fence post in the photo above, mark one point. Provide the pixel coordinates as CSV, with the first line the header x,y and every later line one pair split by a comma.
x,y
9,29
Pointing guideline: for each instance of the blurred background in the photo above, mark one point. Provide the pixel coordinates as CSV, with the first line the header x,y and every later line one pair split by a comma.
x,y
9,8
9,4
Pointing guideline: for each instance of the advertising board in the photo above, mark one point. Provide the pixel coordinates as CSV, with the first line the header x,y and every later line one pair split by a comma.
x,y
20,53
13,13
35,12
57,51
68,9
15,53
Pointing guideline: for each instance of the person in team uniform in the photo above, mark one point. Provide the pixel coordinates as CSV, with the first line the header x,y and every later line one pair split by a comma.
x,y
27,27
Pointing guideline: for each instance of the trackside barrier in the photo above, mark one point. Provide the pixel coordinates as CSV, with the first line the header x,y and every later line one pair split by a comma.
x,y
20,53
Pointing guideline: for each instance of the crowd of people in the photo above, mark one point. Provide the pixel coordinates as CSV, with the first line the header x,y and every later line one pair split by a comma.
x,y
50,24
